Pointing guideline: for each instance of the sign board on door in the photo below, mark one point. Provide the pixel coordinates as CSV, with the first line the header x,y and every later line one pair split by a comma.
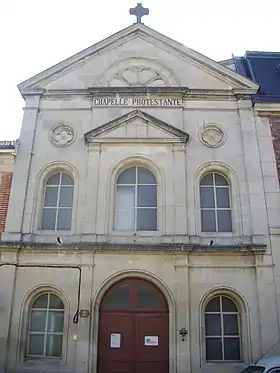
x,y
151,340
115,340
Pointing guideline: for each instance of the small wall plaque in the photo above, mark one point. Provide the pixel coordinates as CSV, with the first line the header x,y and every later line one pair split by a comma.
x,y
115,340
84,313
151,340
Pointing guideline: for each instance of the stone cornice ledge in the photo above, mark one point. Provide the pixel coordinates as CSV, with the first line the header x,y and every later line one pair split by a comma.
x,y
267,108
183,92
171,248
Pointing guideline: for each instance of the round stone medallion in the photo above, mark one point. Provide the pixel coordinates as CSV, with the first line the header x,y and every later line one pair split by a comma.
x,y
62,135
212,135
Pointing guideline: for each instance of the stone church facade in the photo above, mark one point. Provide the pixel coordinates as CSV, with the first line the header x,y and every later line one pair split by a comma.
x,y
142,232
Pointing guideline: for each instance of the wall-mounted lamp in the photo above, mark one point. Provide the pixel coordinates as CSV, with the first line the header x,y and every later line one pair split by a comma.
x,y
183,333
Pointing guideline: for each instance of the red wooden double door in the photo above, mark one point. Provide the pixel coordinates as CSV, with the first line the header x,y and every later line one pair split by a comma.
x,y
133,329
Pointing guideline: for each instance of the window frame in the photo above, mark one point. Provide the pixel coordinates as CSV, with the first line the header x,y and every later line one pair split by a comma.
x,y
39,192
216,209
28,301
57,208
136,208
221,313
238,223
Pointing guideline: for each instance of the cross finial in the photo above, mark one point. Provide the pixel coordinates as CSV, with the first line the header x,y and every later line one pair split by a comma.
x,y
139,12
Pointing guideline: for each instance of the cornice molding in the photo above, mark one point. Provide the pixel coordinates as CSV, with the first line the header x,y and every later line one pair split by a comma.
x,y
267,109
180,92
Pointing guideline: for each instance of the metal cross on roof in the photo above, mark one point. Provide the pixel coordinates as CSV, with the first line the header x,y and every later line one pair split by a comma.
x,y
139,12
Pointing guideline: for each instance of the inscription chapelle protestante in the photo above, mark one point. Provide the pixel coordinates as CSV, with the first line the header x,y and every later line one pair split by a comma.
x,y
134,101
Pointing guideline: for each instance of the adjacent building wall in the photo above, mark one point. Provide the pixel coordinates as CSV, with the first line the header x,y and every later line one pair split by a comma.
x,y
6,175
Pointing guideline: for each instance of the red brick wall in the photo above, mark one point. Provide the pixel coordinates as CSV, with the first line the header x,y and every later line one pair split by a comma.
x,y
5,188
275,132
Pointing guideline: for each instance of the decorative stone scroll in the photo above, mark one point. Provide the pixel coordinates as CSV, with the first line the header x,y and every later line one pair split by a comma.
x,y
212,135
137,77
62,135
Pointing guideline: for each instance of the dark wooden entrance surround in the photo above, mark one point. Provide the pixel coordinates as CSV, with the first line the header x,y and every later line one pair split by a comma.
x,y
131,311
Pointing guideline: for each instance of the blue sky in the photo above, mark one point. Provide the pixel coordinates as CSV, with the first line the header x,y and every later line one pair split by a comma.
x,y
36,35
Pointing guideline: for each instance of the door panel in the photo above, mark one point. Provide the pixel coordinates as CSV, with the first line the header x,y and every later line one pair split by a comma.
x,y
115,360
151,358
135,309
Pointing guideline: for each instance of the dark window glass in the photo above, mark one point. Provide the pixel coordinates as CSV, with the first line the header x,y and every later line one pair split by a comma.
x,y
41,301
207,180
55,322
230,324
36,344
222,197
54,179
147,196
66,179
51,195
128,176
224,221
228,305
213,305
64,219
214,349
208,222
150,298
207,197
147,219
118,297
213,324
49,219
145,176
220,180
38,321
231,349
66,197
56,303
54,345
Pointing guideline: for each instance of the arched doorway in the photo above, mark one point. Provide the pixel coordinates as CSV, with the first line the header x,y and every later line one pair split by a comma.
x,y
133,329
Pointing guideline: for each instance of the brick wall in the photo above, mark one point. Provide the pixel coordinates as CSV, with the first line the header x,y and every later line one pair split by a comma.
x,y
5,188
275,132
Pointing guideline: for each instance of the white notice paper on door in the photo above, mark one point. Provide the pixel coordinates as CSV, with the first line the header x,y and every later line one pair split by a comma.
x,y
115,340
151,340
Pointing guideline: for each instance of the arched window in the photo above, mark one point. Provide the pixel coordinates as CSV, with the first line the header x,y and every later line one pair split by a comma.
x,y
45,328
58,202
222,336
136,200
215,203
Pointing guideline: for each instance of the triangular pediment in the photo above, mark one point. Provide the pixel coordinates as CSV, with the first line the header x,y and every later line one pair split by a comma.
x,y
136,127
138,50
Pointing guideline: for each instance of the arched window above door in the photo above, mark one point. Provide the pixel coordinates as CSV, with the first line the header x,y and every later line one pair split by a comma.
x,y
134,294
136,200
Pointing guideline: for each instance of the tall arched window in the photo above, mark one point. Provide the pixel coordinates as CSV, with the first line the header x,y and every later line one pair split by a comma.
x,y
58,202
215,203
222,335
136,200
45,327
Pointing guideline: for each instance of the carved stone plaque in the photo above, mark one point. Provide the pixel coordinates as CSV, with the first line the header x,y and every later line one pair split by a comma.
x,y
212,136
62,135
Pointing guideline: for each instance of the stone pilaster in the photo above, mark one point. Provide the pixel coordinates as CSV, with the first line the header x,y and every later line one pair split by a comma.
x,y
253,170
23,164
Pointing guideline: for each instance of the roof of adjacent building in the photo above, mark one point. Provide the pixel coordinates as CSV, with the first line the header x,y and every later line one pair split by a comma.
x,y
7,144
264,69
